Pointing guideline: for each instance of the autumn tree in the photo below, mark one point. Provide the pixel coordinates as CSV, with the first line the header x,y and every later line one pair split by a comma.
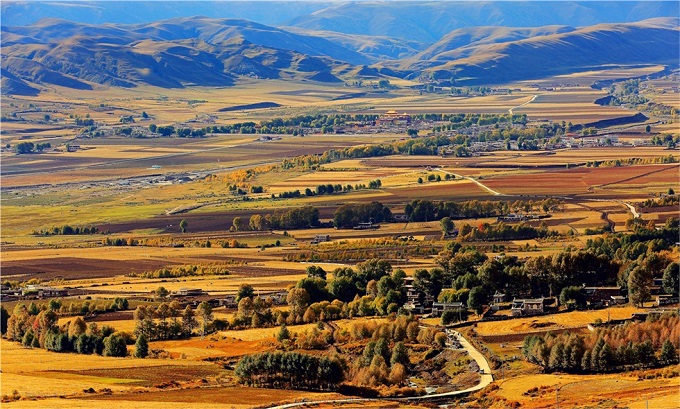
x,y
205,314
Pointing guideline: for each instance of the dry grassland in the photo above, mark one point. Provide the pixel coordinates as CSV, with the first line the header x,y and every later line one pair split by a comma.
x,y
623,389
555,321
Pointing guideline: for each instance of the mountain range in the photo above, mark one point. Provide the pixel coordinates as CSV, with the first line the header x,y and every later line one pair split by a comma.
x,y
470,42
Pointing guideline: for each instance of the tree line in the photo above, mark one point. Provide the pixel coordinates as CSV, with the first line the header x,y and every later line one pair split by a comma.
x,y
631,346
42,331
427,210
290,370
66,230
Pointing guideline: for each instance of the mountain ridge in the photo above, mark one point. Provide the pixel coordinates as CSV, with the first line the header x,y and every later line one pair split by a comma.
x,y
204,51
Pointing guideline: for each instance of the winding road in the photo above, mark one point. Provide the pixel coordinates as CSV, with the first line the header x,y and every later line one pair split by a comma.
x,y
521,105
483,364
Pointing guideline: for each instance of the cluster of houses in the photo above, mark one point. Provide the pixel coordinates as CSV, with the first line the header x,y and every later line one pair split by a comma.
x,y
30,291
277,298
597,297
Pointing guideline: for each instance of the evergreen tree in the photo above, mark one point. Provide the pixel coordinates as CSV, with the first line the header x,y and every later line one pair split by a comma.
x,y
141,347
669,354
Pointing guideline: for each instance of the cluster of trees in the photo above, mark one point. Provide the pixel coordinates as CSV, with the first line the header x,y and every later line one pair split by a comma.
x,y
66,230
296,218
631,161
371,289
30,147
460,121
665,139
183,271
502,231
329,188
427,210
350,215
169,130
385,358
644,256
671,199
290,370
87,121
41,330
632,346
86,307
384,248
169,321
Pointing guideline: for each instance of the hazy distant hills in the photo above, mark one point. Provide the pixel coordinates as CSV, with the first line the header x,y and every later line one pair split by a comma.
x,y
395,40
422,21
427,22
495,55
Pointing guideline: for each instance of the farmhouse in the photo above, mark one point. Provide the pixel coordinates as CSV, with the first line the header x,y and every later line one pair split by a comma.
x,y
413,303
498,297
72,148
278,297
512,217
600,296
527,306
366,226
43,292
189,292
438,308
228,301
320,238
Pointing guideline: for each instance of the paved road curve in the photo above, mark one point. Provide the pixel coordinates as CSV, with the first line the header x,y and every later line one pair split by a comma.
x,y
483,364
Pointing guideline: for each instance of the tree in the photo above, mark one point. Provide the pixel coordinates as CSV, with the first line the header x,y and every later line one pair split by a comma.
x,y
245,291
114,345
447,226
183,225
476,299
141,347
316,271
573,295
399,354
24,147
412,133
161,292
77,327
668,352
283,333
671,279
4,317
145,115
298,300
189,321
239,224
639,281
648,128
205,314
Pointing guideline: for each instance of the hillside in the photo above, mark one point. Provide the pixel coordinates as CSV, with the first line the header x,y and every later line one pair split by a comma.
x,y
427,22
650,41
171,53
205,51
